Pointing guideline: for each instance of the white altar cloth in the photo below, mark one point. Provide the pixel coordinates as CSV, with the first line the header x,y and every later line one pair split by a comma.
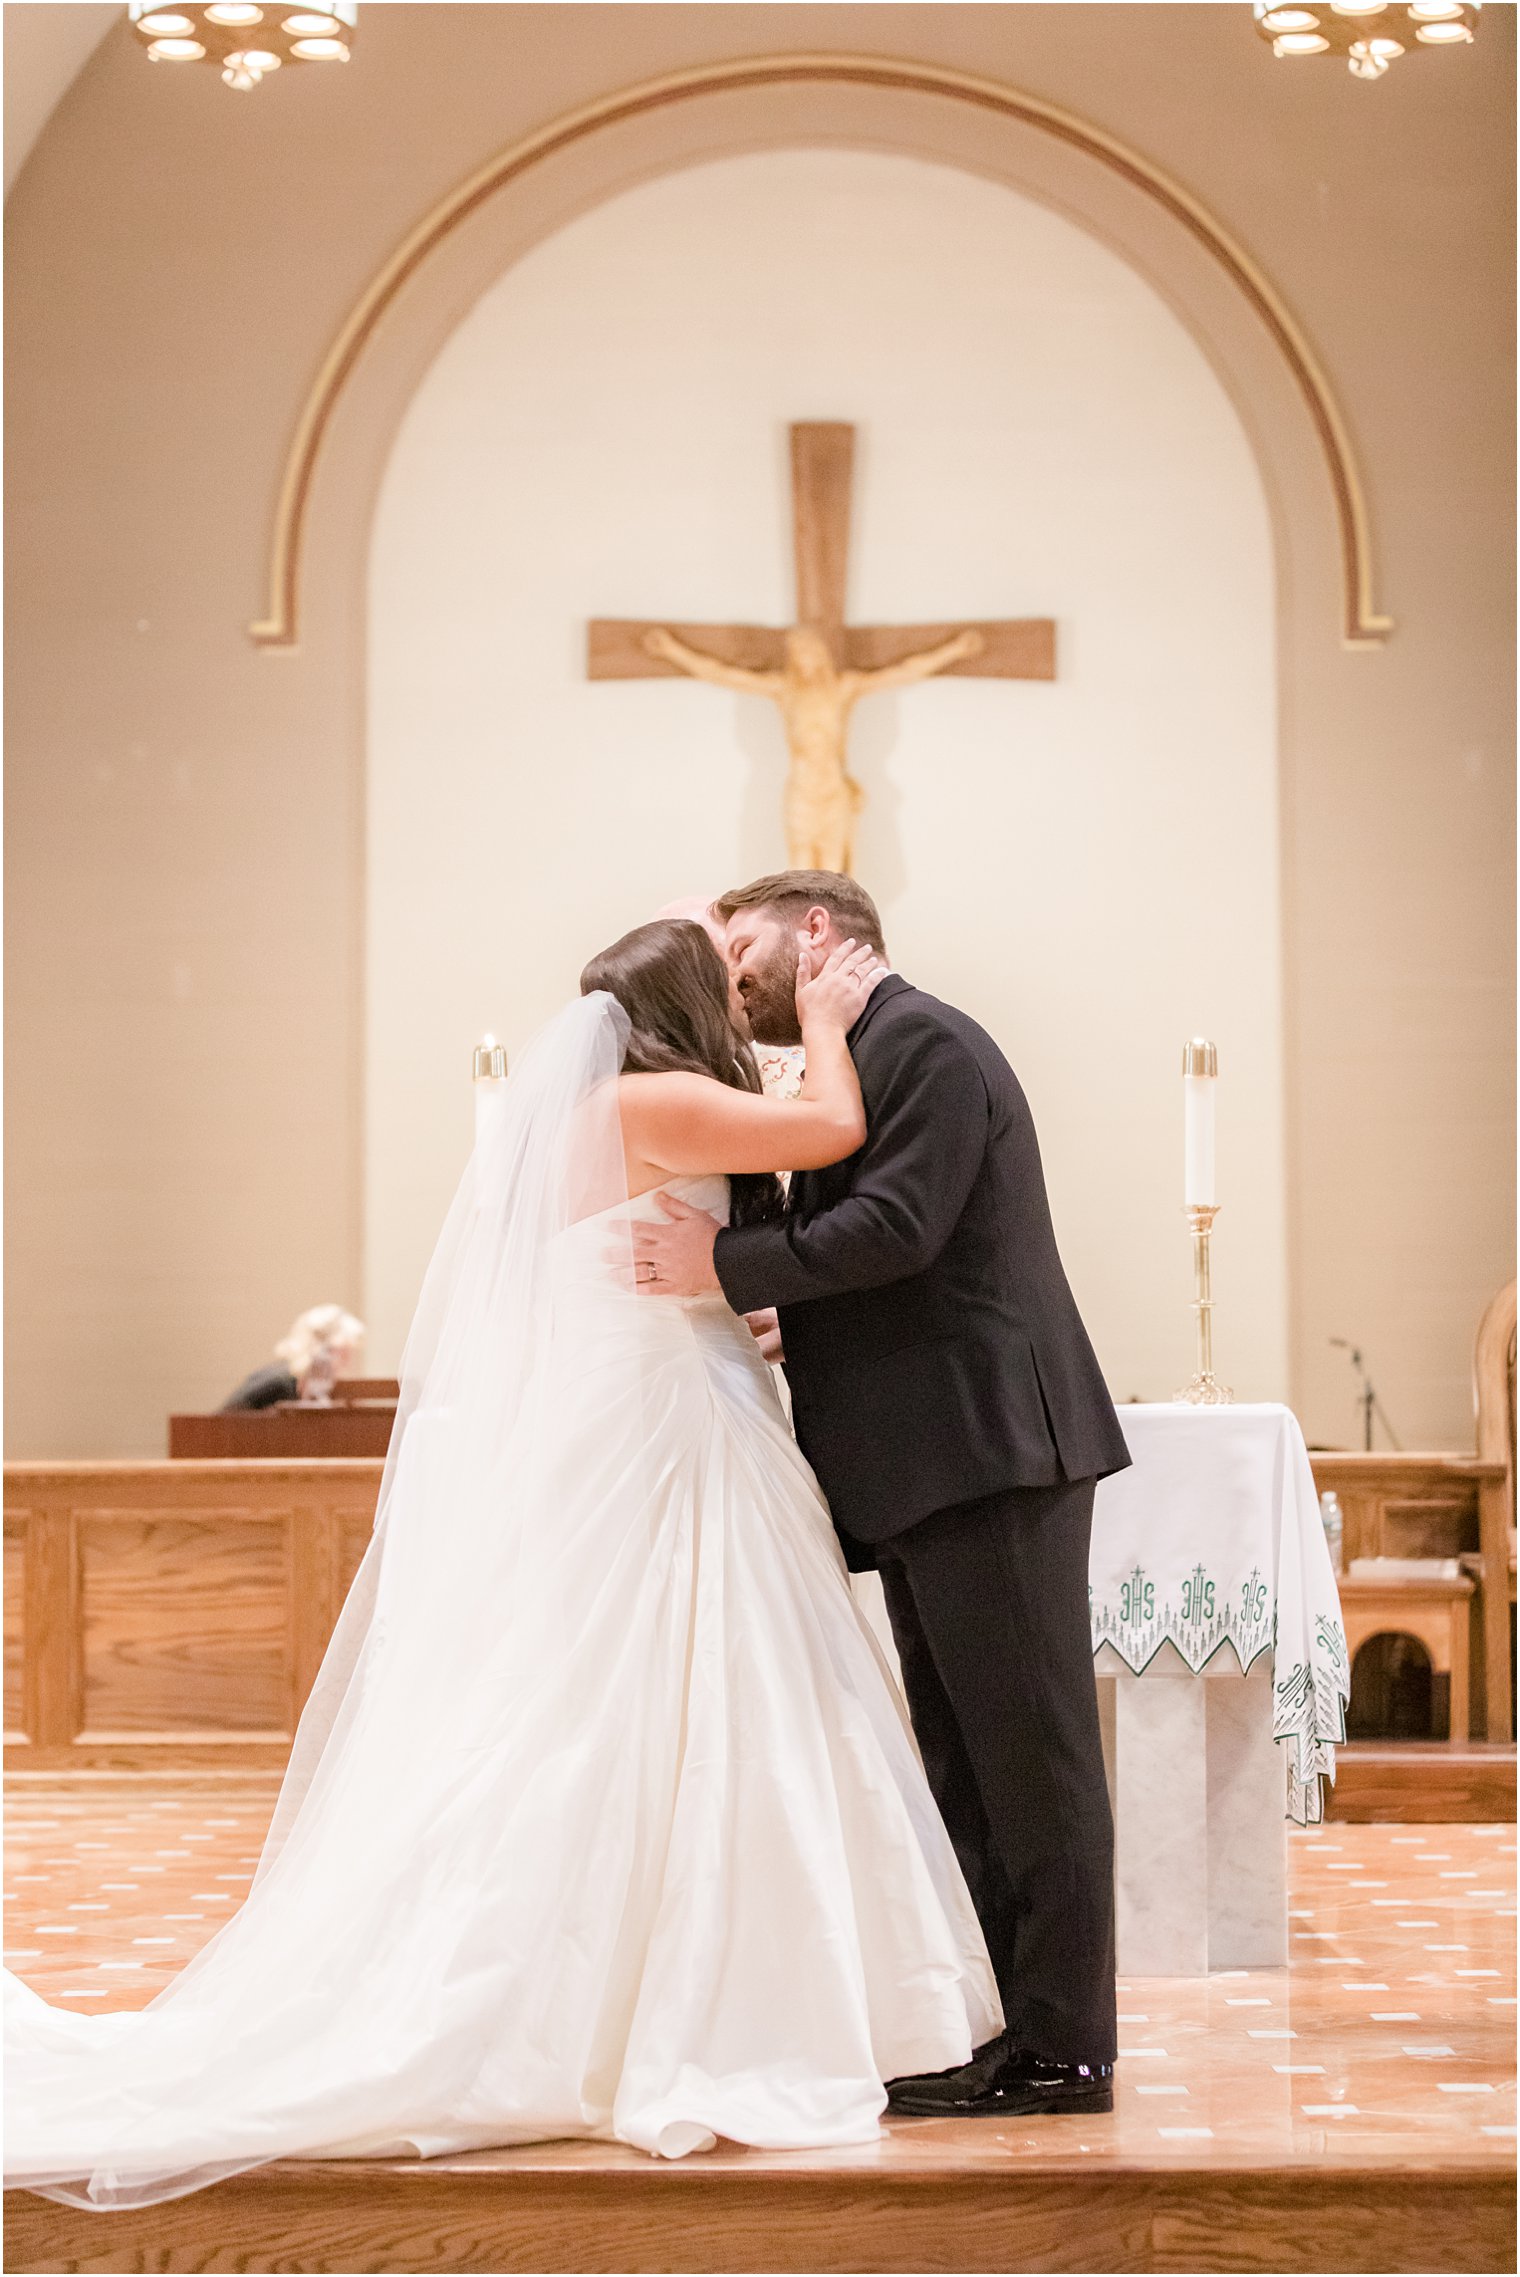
x,y
1223,1680
1212,1544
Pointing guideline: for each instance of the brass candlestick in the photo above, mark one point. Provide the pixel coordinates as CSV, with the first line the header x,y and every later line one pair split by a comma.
x,y
1204,1389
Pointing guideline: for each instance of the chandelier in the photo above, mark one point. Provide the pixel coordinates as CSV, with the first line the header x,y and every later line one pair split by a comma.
x,y
246,41
1370,34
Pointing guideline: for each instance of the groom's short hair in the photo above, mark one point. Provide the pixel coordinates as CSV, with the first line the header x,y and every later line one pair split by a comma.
x,y
791,893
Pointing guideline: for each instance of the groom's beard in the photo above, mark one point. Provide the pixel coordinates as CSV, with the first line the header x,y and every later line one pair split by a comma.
x,y
769,995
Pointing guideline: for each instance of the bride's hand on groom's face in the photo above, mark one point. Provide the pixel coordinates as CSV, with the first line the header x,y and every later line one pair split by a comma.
x,y
675,1258
834,988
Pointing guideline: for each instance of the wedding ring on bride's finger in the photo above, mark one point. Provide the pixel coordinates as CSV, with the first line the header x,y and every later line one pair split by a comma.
x,y
644,1270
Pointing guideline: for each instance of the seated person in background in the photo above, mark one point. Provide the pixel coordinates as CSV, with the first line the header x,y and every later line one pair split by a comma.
x,y
323,1344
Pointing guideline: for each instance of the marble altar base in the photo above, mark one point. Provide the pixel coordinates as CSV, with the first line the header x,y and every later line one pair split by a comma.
x,y
1196,1782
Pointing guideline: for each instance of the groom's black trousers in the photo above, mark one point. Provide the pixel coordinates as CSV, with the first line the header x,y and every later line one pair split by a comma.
x,y
989,1608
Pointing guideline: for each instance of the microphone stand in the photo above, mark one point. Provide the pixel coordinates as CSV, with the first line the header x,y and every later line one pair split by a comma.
x,y
1367,1399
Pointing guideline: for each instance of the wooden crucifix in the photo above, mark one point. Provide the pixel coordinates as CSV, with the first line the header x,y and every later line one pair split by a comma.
x,y
817,670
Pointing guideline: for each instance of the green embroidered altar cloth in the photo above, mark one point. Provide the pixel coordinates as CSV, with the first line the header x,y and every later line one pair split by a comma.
x,y
1212,1545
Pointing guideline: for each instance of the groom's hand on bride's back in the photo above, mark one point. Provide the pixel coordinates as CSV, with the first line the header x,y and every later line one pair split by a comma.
x,y
674,1258
766,1330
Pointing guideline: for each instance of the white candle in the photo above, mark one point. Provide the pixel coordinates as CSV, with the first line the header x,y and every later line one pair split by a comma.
x,y
489,1085
1200,1065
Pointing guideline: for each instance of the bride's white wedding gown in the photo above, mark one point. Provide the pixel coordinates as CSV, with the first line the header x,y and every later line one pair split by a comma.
x,y
613,1824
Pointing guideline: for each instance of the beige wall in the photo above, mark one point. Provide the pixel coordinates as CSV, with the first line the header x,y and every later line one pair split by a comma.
x,y
185,815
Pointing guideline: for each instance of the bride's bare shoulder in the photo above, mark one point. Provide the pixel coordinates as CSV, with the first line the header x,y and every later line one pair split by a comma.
x,y
672,1088
688,1123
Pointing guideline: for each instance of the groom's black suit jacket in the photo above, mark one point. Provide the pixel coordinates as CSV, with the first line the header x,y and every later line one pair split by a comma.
x,y
934,1350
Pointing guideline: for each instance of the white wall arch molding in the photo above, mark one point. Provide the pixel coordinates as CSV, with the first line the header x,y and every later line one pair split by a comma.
x,y
528,190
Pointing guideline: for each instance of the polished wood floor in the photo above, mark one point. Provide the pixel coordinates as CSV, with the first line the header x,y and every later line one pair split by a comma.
x,y
1376,2071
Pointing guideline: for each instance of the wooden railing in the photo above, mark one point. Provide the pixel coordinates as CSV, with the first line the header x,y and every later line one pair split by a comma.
x,y
175,1613
172,1613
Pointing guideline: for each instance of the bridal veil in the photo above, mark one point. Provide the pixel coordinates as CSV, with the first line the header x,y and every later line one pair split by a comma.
x,y
423,1658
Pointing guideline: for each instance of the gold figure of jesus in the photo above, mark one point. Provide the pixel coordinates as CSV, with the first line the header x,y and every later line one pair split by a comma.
x,y
815,698
817,669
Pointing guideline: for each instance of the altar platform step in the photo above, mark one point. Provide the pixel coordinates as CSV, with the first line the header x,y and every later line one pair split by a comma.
x,y
1423,1782
1354,2111
953,2199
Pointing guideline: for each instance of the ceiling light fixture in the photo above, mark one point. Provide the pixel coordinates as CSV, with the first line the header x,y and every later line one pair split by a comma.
x,y
217,31
1343,27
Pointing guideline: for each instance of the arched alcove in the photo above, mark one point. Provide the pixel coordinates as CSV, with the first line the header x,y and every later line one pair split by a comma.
x,y
604,434
437,278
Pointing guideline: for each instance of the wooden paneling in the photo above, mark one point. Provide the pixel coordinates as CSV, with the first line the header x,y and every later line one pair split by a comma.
x,y
173,1613
315,1594
1494,1392
51,1646
353,1541
15,1623
1404,1506
184,1620
1426,1526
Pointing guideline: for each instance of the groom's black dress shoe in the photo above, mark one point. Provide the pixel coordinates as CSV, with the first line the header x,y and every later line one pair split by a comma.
x,y
1006,2083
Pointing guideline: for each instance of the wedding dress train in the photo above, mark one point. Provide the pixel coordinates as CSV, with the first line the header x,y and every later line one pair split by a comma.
x,y
605,1818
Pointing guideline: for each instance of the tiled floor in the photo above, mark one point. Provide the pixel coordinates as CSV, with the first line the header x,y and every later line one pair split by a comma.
x,y
1392,2029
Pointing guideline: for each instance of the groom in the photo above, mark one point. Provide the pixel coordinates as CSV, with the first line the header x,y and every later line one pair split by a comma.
x,y
944,1390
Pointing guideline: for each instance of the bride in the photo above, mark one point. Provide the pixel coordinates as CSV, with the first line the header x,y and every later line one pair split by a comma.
x,y
604,1817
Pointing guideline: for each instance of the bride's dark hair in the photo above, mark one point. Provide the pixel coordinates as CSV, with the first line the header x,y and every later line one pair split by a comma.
x,y
671,982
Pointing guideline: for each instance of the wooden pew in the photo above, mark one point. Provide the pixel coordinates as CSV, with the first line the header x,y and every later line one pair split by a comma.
x,y
287,1433
357,1422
